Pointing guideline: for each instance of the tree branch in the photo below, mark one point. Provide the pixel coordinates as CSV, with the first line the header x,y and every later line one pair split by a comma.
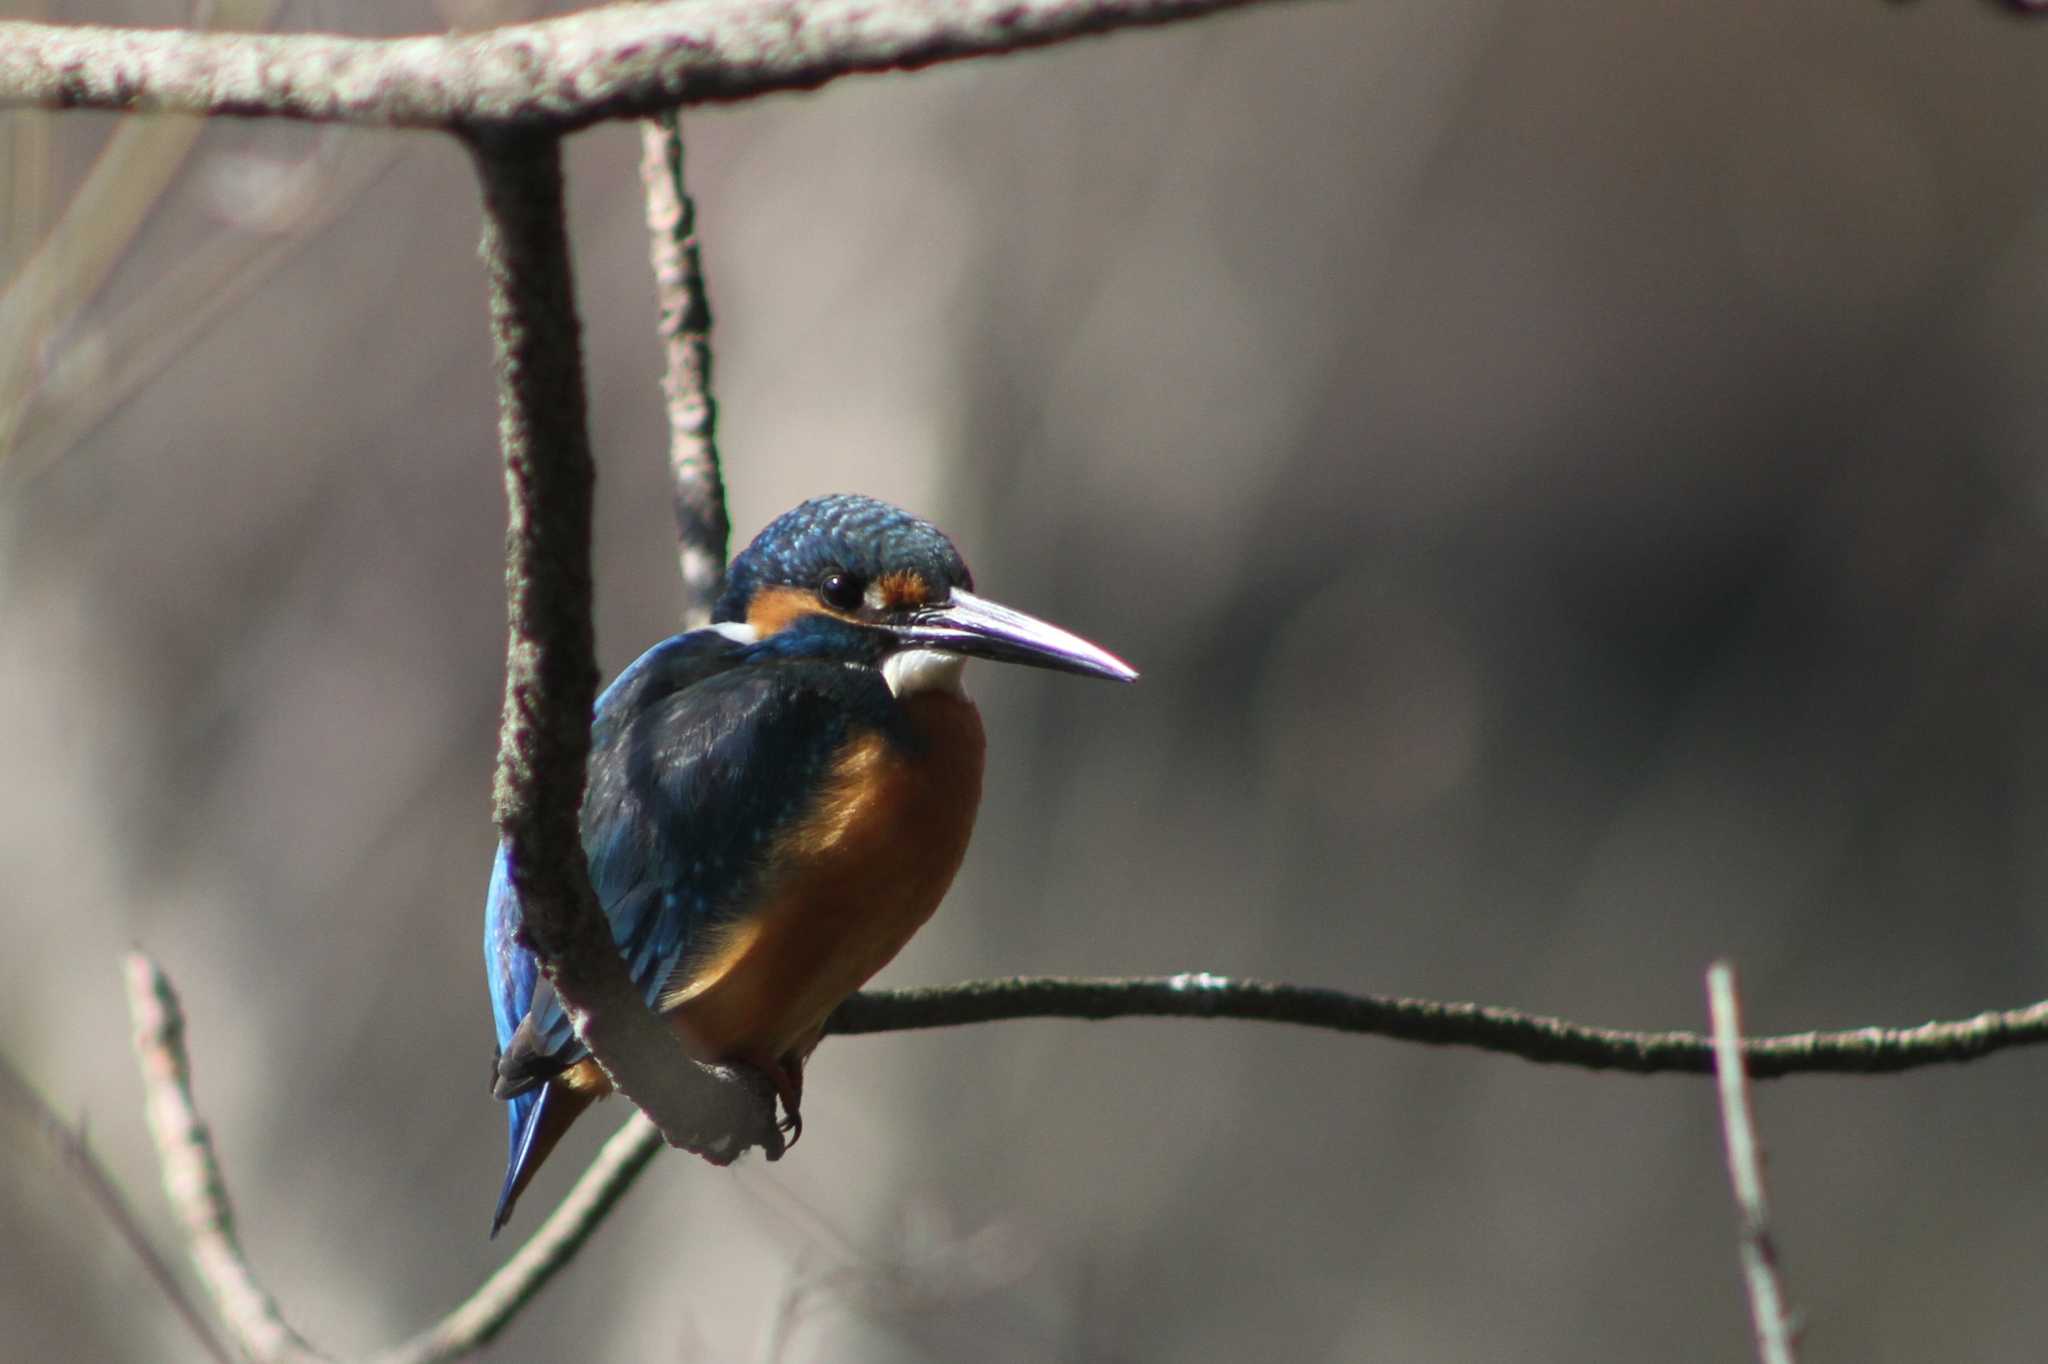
x,y
492,1307
550,664
615,61
1745,1173
192,1178
72,1148
702,528
1509,1032
1533,1037
195,1184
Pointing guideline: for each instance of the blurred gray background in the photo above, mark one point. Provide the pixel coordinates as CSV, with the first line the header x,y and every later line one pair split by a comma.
x,y
1569,475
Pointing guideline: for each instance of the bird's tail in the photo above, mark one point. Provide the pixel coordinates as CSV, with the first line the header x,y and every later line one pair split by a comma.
x,y
537,1119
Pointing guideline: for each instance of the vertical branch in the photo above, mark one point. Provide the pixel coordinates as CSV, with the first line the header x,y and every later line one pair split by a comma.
x,y
550,662
702,528
1745,1171
192,1177
551,650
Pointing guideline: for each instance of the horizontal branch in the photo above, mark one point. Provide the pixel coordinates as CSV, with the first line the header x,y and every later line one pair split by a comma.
x,y
196,1186
1533,1037
615,61
1200,995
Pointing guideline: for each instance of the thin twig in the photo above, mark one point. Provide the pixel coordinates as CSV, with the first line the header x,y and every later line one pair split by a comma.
x,y
71,1147
491,1308
1533,1037
612,61
192,1178
702,528
550,663
1745,1172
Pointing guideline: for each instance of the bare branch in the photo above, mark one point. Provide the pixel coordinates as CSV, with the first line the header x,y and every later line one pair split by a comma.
x,y
71,1147
702,528
192,1178
1510,1032
615,61
550,664
702,531
478,1321
1531,1037
1745,1172
1195,995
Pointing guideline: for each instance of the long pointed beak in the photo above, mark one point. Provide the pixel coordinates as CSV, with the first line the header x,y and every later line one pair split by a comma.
x,y
975,626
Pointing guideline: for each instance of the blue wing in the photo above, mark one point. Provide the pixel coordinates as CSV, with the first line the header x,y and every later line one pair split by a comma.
x,y
515,980
701,753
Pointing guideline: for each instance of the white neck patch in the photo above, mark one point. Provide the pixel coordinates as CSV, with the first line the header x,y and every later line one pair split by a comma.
x,y
738,631
916,670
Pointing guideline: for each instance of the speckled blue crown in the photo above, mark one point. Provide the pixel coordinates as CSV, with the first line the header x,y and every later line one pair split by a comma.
x,y
846,532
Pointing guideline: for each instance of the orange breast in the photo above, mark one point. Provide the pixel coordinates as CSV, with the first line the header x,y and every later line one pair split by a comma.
x,y
858,876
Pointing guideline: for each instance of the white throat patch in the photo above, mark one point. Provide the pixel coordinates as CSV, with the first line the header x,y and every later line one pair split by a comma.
x,y
916,670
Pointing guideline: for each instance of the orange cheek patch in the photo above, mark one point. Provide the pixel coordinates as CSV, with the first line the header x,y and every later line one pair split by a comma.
x,y
773,608
903,589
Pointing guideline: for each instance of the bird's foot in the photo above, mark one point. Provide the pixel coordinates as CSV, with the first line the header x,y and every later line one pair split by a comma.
x,y
788,1078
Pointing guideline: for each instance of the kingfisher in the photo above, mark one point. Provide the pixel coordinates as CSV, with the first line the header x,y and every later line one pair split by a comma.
x,y
775,804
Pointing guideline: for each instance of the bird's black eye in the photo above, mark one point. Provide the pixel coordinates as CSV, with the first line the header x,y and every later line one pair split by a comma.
x,y
842,591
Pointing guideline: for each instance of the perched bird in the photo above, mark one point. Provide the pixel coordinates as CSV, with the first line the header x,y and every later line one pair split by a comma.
x,y
775,804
